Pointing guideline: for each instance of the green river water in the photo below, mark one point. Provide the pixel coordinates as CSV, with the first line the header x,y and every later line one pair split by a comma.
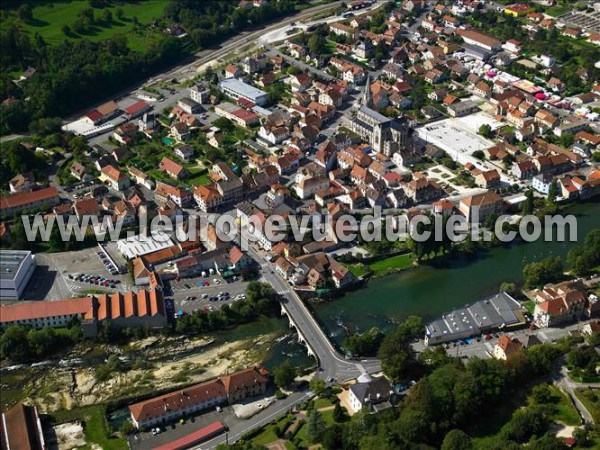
x,y
432,290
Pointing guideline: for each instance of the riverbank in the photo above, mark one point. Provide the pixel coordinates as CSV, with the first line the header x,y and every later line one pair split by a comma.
x,y
168,362
436,287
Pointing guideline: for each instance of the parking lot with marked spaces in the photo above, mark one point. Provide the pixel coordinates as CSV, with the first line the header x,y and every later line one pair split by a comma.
x,y
52,279
208,293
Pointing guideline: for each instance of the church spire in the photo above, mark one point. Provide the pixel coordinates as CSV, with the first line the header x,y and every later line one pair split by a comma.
x,y
367,101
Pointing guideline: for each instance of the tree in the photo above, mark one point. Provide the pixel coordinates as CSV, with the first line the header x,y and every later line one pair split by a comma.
x,y
457,440
25,12
541,394
14,344
332,438
537,274
365,344
316,44
119,13
224,124
284,374
528,204
338,413
316,426
583,258
525,423
317,386
552,192
510,288
479,155
485,130
66,29
107,16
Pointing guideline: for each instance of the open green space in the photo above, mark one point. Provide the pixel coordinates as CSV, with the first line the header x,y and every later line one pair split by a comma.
x,y
394,263
563,410
322,403
357,270
557,10
49,19
95,426
591,400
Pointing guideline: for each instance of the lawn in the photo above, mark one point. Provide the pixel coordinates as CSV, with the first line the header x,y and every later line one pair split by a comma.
x,y
95,426
198,175
564,410
394,263
357,270
50,17
591,400
557,10
266,437
322,403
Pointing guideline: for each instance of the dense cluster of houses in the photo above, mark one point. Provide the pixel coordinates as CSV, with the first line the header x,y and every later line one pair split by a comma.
x,y
291,169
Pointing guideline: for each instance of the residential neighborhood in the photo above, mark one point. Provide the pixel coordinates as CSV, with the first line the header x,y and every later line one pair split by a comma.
x,y
336,119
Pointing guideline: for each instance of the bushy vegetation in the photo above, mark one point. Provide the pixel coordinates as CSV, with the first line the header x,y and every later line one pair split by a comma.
x,y
364,344
75,73
260,299
21,344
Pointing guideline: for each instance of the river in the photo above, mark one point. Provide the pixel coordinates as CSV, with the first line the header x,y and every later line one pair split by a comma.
x,y
434,289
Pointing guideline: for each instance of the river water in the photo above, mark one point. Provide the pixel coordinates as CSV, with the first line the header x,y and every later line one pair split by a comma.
x,y
432,290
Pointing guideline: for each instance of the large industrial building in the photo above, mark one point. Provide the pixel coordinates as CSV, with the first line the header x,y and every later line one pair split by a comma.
x,y
131,309
237,89
16,268
140,245
495,312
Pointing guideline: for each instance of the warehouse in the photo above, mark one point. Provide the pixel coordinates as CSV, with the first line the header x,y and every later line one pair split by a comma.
x,y
141,245
239,90
16,269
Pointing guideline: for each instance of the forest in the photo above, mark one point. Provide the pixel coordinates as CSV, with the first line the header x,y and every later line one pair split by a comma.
x,y
73,74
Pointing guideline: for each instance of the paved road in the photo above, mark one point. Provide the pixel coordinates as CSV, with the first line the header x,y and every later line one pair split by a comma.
x,y
332,363
563,381
261,419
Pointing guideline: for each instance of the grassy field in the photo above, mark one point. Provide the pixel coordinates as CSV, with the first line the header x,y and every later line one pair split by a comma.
x,y
399,262
95,428
557,10
591,400
357,270
564,410
49,19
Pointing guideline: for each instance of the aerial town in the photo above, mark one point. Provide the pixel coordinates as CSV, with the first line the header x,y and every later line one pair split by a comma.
x,y
469,109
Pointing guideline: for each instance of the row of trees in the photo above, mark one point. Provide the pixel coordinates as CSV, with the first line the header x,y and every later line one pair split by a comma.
x,y
581,260
260,299
20,343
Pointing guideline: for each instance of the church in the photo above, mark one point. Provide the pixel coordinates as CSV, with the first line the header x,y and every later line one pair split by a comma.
x,y
385,135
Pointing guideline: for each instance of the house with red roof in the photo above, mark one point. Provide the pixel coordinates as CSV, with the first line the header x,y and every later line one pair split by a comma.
x,y
114,178
173,169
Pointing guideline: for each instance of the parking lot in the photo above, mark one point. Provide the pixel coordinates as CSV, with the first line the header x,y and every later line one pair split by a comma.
x,y
231,416
191,294
52,275
483,348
